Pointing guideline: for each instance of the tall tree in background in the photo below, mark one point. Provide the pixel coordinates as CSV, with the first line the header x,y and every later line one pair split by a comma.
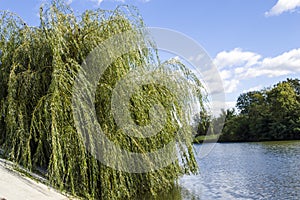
x,y
268,114
284,105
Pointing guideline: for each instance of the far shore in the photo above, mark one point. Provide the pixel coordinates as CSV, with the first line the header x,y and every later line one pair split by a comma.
x,y
215,139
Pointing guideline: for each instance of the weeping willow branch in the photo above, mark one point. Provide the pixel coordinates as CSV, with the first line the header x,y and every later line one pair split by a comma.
x,y
37,129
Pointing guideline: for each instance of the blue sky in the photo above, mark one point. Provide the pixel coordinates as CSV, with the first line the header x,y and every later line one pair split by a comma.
x,y
254,43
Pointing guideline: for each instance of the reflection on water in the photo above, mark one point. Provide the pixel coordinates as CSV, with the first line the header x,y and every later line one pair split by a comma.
x,y
267,170
178,193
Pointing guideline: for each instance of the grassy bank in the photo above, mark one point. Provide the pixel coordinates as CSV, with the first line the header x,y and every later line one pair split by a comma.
x,y
206,138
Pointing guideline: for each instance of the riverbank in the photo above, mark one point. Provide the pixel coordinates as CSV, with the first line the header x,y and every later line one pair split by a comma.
x,y
206,138
219,139
15,185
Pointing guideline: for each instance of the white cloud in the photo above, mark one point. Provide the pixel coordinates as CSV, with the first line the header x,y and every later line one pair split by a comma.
x,y
256,88
284,64
225,74
231,85
237,65
289,60
283,6
230,104
235,57
216,107
98,2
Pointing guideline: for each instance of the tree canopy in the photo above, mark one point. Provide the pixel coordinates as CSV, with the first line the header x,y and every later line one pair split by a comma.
x,y
39,66
269,114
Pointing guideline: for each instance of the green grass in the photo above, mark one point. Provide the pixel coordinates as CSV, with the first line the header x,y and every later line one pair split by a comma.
x,y
208,138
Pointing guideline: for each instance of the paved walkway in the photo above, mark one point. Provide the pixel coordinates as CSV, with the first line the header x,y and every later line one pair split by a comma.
x,y
14,186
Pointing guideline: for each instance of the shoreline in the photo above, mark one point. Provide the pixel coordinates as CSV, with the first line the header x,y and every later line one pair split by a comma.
x,y
17,183
240,141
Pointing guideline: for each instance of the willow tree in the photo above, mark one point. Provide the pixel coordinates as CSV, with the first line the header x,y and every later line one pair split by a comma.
x,y
39,69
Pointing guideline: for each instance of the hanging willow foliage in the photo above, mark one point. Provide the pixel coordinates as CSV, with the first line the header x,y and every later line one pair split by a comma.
x,y
39,67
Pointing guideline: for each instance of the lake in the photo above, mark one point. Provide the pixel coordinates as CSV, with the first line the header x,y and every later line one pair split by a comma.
x,y
265,170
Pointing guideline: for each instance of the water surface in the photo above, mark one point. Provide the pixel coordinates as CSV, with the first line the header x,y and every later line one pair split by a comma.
x,y
266,170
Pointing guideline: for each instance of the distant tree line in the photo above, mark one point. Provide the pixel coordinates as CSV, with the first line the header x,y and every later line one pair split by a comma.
x,y
269,114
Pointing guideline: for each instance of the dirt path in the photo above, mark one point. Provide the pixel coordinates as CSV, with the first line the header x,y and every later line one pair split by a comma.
x,y
14,186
